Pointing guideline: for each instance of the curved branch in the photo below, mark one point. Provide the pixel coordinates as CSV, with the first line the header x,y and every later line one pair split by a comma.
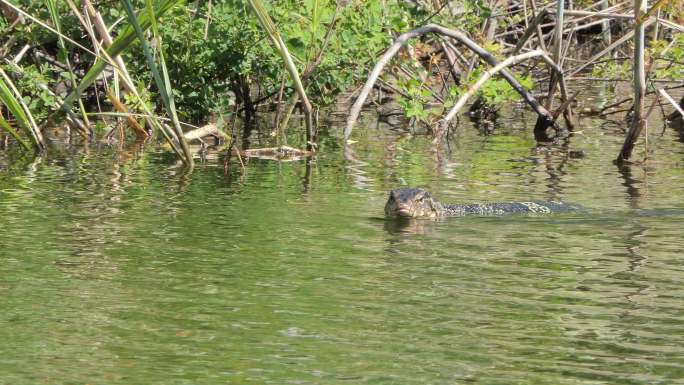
x,y
463,39
483,79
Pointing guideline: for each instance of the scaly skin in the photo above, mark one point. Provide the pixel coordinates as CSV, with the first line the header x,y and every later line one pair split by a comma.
x,y
418,203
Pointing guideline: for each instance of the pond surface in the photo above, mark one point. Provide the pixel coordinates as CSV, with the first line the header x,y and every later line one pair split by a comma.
x,y
117,268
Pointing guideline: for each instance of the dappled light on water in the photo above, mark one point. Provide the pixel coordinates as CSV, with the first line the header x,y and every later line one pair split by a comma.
x,y
119,268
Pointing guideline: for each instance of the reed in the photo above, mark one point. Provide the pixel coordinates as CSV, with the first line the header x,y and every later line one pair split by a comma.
x,y
10,97
56,22
267,24
125,38
161,78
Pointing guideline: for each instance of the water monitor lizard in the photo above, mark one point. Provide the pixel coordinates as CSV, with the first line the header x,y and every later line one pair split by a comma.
x,y
417,203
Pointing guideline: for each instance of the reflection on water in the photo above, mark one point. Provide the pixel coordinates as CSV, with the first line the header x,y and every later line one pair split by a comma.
x,y
117,267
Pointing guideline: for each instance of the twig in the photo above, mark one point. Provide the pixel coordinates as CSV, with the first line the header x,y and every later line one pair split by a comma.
x,y
672,101
611,47
140,132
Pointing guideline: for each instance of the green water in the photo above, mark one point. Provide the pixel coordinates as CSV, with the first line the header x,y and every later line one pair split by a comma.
x,y
117,268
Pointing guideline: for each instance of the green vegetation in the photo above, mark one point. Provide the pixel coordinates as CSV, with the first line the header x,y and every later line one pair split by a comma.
x,y
195,62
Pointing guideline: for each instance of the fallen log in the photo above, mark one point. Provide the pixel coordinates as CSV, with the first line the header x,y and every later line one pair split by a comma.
x,y
281,153
206,130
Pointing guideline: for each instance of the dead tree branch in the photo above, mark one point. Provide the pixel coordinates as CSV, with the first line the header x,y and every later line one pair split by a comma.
x,y
544,114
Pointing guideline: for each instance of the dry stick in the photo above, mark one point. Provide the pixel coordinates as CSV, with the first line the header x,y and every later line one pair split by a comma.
x,y
580,27
583,26
233,139
462,59
638,121
97,45
602,111
611,47
655,28
538,30
93,17
140,115
603,6
565,107
206,130
566,47
600,14
120,67
656,102
672,101
21,54
614,105
491,24
626,16
451,59
557,50
530,30
139,130
102,30
506,63
403,38
671,25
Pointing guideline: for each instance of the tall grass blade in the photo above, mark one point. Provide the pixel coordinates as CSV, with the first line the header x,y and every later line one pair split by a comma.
x,y
268,25
120,44
169,91
163,85
9,96
7,127
54,16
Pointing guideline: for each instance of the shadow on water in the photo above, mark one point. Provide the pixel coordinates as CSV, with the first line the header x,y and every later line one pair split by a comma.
x,y
403,228
632,185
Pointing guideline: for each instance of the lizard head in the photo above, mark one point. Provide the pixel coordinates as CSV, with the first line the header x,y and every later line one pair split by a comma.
x,y
412,203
